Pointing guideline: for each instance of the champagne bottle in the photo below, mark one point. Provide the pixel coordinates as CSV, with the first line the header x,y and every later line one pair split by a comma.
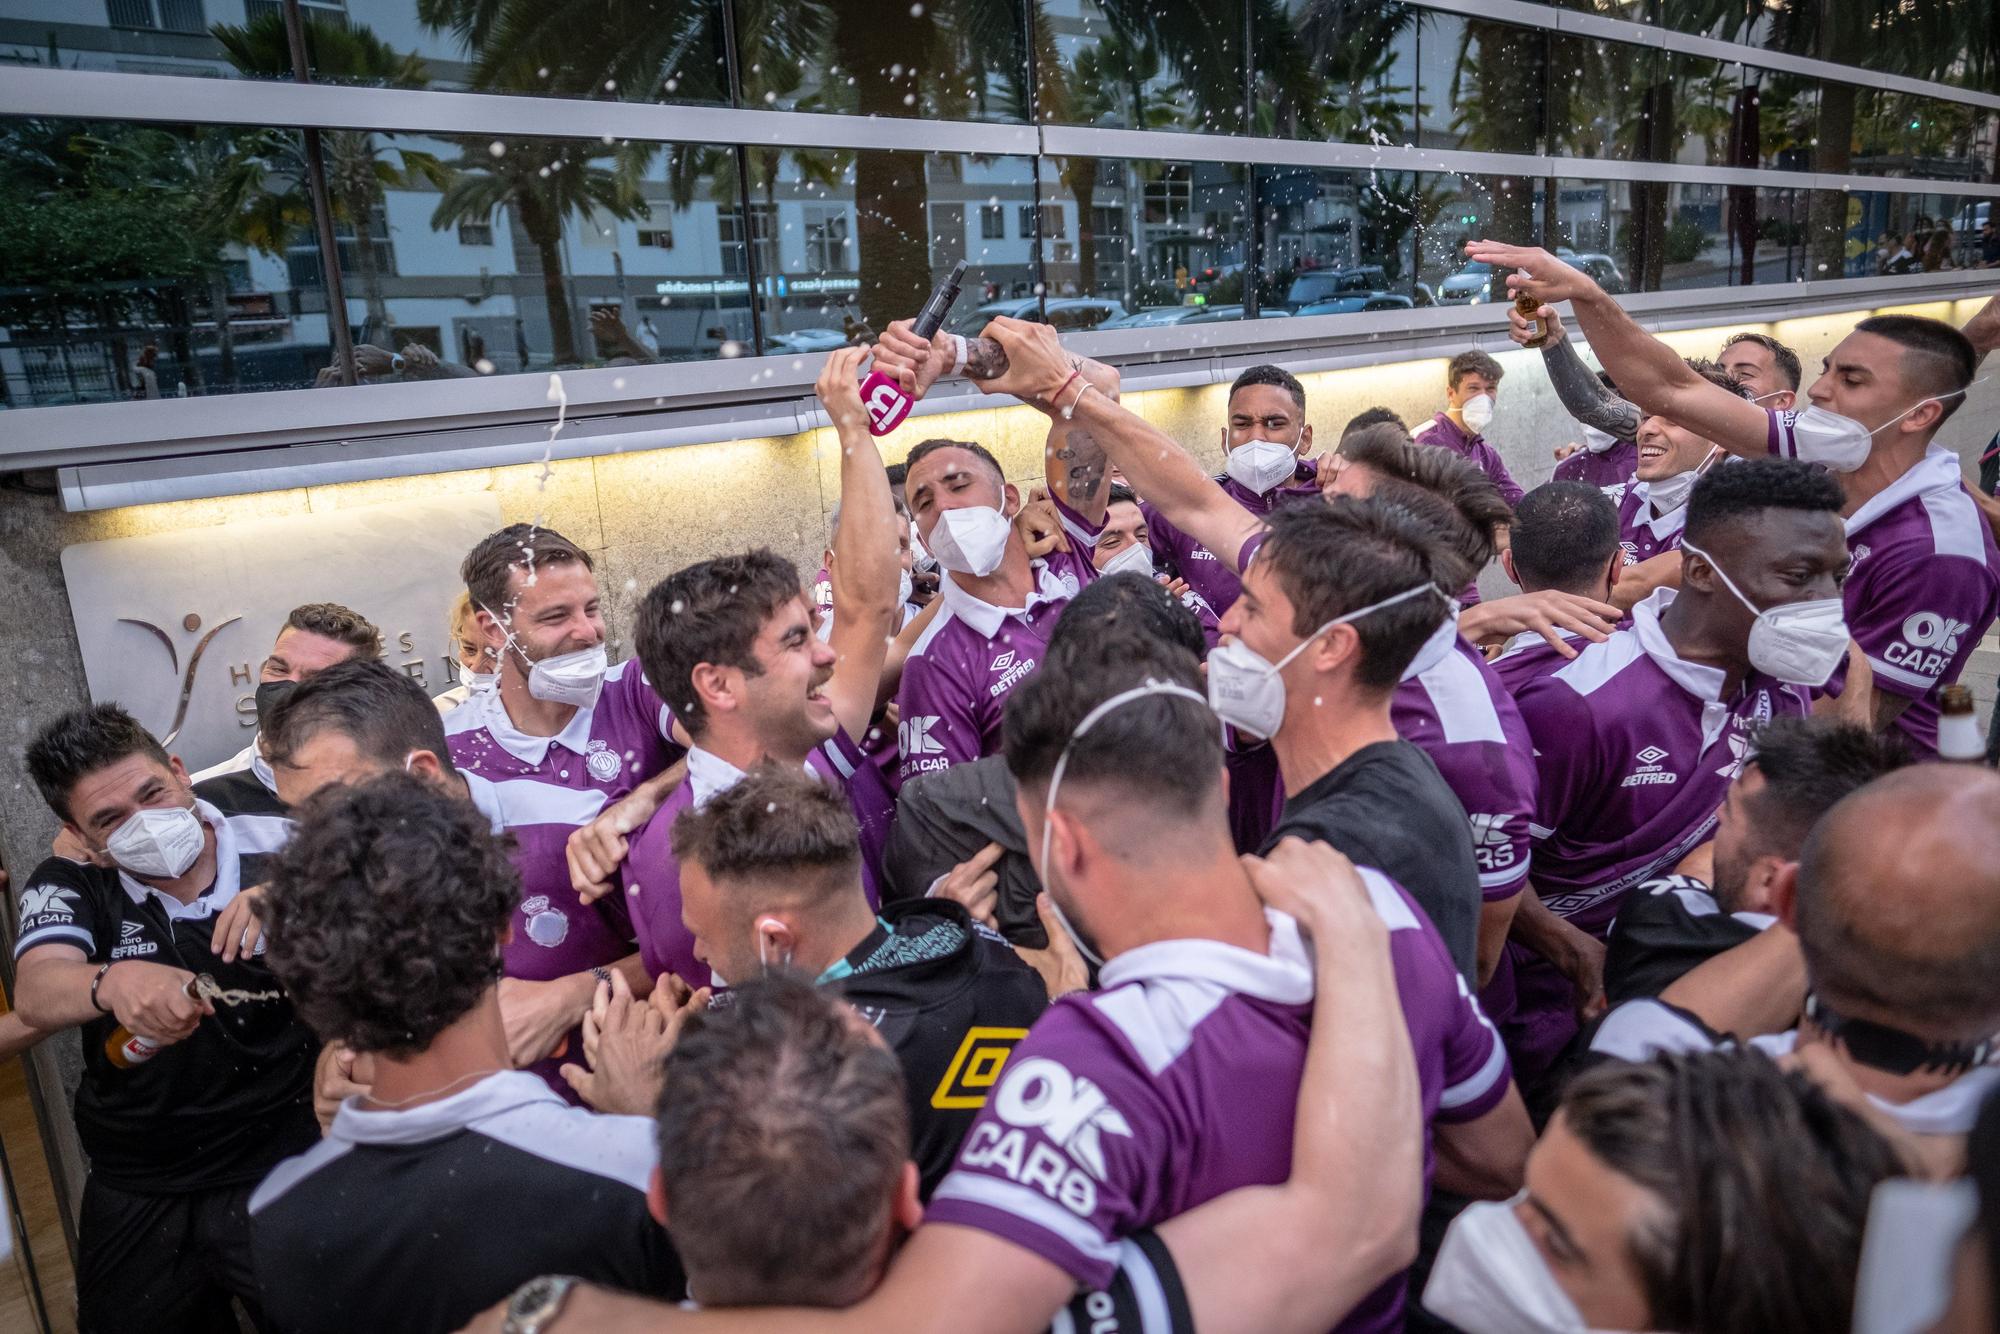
x,y
127,1049
1958,735
1526,306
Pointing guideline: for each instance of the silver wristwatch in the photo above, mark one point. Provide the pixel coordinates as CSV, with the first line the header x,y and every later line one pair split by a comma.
x,y
536,1303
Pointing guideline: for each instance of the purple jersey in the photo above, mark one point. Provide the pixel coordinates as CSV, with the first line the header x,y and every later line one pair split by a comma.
x,y
541,789
651,874
1614,465
1178,1080
1923,588
961,668
1636,748
1442,431
1218,585
1528,655
1642,534
1456,711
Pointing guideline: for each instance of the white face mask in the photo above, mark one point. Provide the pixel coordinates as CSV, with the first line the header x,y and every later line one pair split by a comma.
x,y
971,541
1798,642
1246,690
1090,720
905,587
1670,493
1261,465
1842,443
158,843
1478,412
1598,442
569,678
1135,559
1490,1277
1908,1252
477,682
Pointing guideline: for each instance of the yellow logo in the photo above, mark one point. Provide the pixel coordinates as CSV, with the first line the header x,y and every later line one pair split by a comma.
x,y
976,1067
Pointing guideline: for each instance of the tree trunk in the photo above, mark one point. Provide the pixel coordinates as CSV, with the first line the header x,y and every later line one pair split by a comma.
x,y
1649,198
368,267
183,341
1745,150
225,333
545,233
1833,153
1082,174
891,195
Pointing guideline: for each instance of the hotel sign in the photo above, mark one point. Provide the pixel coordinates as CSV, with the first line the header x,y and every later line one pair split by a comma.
x,y
175,625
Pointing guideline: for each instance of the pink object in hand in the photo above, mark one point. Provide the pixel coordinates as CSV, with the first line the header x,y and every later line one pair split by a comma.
x,y
885,402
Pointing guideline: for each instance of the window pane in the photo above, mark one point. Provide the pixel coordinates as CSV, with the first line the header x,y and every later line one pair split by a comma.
x,y
125,279
1166,242
1452,210
1352,81
1896,234
1766,232
943,60
1480,85
1610,100
1159,66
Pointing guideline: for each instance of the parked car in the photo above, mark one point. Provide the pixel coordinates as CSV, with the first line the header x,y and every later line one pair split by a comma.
x,y
1348,305
1469,286
1152,317
806,340
1068,313
1327,284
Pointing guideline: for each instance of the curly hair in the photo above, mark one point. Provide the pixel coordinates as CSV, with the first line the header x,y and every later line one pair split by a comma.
x,y
341,624
1745,489
383,915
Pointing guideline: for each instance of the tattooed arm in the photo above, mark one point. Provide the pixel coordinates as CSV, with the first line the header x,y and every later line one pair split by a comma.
x,y
1582,394
1078,470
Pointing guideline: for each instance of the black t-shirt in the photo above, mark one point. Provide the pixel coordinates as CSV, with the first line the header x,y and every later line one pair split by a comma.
x,y
1665,928
235,1097
951,999
1386,806
417,1220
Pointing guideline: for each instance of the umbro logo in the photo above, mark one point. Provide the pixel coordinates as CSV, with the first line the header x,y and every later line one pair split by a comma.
x,y
129,930
1652,755
1003,662
132,942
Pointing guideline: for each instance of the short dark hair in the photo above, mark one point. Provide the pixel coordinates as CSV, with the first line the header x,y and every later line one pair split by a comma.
x,y
1477,509
1368,417
1762,1179
1121,492
777,824
489,567
1939,358
1132,601
926,448
709,612
384,712
1808,766
383,914
1473,362
1749,487
783,1132
1563,536
1714,374
1348,554
1124,747
897,472
1789,365
342,624
1275,376
83,741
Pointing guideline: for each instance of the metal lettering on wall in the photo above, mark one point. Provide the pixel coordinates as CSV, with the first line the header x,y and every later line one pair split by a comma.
x,y
175,625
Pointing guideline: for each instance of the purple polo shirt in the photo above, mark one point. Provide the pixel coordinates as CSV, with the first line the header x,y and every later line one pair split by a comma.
x,y
1641,534
1177,1081
1923,589
1635,748
651,874
1456,711
1442,431
540,790
1218,586
1614,465
958,674
1527,656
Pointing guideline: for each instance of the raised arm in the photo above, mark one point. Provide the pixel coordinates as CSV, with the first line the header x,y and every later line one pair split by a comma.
x,y
1577,387
1984,330
1154,463
864,550
1300,1255
1649,373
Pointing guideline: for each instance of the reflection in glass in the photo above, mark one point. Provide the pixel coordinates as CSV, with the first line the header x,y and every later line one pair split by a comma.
x,y
1337,242
1897,234
1340,72
1158,243
1141,65
1453,210
1481,85
143,261
944,60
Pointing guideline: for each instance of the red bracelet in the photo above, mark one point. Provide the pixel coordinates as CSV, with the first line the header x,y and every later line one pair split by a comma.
x,y
1056,397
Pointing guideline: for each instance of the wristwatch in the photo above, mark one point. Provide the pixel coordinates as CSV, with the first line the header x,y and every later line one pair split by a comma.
x,y
536,1303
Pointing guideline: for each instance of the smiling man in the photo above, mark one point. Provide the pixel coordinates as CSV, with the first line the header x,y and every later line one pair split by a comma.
x,y
1926,584
1652,507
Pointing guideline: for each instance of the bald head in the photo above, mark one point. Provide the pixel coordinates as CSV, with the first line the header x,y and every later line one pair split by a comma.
x,y
1899,902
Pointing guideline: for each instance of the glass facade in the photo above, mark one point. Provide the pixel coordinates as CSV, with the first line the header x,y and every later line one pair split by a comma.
x,y
139,258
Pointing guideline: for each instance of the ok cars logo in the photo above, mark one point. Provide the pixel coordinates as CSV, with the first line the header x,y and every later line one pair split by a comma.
x,y
1048,1131
1930,642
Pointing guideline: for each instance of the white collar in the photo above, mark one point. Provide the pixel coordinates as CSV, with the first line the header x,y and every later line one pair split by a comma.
x,y
488,710
1527,639
1284,975
260,769
1937,470
228,874
1950,1110
709,775
501,1091
986,618
1704,683
1435,649
1662,526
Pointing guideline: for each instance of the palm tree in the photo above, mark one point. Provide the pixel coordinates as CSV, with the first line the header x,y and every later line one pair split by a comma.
x,y
360,165
544,181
